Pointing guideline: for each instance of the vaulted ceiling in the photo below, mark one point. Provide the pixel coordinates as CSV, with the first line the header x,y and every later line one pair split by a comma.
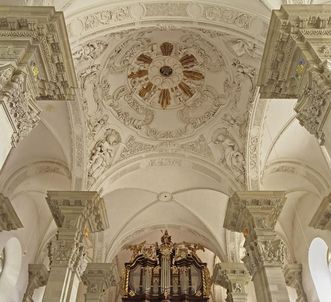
x,y
167,123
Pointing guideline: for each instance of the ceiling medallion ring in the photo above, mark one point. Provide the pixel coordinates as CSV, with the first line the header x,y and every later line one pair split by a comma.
x,y
163,78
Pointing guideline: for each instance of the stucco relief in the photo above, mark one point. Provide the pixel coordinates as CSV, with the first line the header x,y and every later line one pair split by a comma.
x,y
161,89
102,154
111,14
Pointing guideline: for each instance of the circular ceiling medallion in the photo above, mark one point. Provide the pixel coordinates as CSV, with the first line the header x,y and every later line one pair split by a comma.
x,y
164,77
165,196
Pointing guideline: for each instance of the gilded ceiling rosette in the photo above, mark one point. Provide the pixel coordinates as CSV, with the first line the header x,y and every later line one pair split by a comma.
x,y
163,77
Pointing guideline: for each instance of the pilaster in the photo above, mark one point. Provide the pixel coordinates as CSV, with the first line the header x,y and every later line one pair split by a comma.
x,y
8,218
297,63
35,64
76,214
233,277
322,218
98,277
255,215
293,278
38,276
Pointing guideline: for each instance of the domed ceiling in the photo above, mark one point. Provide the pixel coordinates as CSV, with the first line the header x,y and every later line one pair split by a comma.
x,y
167,90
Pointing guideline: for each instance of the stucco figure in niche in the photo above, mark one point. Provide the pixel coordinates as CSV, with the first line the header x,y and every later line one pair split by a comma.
x,y
102,154
229,153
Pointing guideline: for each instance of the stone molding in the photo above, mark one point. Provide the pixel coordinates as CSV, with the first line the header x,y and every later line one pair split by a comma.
x,y
69,206
112,15
322,218
293,278
38,276
98,277
233,277
254,210
8,218
36,64
296,62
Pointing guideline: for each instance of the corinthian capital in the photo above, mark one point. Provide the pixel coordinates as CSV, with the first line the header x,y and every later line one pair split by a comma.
x,y
83,210
98,277
254,211
296,62
293,278
233,277
36,64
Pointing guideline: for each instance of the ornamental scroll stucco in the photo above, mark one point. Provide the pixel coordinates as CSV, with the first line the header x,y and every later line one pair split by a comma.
x,y
210,77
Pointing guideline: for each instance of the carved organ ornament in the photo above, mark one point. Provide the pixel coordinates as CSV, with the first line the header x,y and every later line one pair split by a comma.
x,y
166,272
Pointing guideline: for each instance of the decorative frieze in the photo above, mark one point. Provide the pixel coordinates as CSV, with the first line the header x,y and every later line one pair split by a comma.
x,y
322,218
293,278
98,277
38,276
8,218
35,64
296,62
233,277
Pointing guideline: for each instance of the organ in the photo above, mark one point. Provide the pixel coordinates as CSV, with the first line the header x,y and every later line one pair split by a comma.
x,y
165,272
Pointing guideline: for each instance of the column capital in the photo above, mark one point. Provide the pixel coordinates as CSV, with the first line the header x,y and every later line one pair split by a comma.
x,y
322,218
36,64
293,278
78,204
233,277
296,62
8,218
98,277
256,211
38,276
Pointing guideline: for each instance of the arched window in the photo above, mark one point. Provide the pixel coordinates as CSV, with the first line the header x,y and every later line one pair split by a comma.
x,y
320,268
11,270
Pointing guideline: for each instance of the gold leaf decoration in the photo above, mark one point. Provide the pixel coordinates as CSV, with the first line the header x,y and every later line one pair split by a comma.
x,y
166,48
186,89
193,75
188,61
164,99
145,59
144,90
138,74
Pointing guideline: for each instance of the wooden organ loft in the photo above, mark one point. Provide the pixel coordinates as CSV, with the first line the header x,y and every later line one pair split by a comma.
x,y
166,272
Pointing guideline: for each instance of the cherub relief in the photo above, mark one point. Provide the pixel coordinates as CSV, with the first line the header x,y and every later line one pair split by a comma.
x,y
230,154
103,153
